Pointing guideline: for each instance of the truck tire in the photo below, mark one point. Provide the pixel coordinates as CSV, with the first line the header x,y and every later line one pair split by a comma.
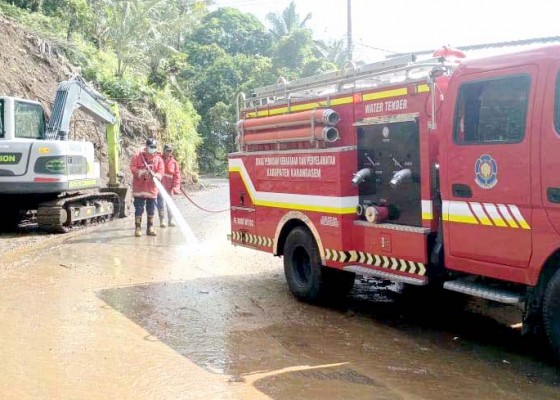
x,y
308,280
551,313
302,266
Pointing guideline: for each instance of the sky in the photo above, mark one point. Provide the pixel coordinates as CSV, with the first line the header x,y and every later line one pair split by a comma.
x,y
381,28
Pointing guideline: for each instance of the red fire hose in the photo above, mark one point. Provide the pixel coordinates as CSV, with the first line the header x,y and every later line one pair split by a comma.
x,y
200,207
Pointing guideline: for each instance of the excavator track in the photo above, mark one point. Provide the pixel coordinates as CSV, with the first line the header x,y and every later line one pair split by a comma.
x,y
67,213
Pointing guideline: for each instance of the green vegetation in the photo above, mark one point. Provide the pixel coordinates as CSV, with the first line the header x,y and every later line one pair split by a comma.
x,y
180,59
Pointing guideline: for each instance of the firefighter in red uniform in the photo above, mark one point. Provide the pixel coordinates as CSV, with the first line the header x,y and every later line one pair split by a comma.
x,y
144,167
171,182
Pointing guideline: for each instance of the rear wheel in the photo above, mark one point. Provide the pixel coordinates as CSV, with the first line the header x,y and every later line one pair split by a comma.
x,y
551,313
307,279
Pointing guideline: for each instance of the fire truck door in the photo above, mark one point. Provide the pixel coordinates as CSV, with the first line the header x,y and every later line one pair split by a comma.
x,y
488,210
550,150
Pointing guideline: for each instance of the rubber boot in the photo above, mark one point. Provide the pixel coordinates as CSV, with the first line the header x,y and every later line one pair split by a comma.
x,y
162,219
150,231
137,229
170,221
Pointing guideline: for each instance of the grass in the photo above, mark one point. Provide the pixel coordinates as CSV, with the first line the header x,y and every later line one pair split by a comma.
x,y
51,28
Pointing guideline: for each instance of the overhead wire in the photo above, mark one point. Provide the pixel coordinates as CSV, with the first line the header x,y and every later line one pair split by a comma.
x,y
375,48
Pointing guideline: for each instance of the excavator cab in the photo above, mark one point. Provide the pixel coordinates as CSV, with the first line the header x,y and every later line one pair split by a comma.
x,y
29,120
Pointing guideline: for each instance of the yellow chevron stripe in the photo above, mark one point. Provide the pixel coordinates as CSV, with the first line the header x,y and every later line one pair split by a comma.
x,y
486,214
463,219
385,262
507,216
481,214
249,238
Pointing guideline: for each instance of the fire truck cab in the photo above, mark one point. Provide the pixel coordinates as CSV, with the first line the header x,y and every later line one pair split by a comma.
x,y
441,172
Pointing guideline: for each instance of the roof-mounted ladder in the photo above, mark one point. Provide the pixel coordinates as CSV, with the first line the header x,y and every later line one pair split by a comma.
x,y
370,75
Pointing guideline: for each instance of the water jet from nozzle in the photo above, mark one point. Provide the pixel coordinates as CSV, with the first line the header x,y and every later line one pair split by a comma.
x,y
180,220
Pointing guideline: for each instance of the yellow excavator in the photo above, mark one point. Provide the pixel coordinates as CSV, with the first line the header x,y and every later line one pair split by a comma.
x,y
48,178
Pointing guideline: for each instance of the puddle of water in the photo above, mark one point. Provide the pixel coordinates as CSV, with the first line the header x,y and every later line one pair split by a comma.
x,y
253,331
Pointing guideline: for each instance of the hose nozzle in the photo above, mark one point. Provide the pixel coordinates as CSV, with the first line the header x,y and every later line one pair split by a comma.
x,y
400,176
361,176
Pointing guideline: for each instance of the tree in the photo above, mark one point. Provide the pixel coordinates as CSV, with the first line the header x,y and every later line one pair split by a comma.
x,y
233,31
214,93
99,26
190,12
296,55
334,52
286,22
294,52
77,14
175,19
130,24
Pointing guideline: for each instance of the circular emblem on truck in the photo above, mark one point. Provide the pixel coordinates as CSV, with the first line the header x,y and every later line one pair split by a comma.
x,y
385,132
486,172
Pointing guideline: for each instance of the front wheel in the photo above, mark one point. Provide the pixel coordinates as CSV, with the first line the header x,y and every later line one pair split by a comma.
x,y
551,313
307,279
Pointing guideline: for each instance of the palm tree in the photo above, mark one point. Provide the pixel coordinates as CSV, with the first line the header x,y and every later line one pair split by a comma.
x,y
131,24
333,51
286,22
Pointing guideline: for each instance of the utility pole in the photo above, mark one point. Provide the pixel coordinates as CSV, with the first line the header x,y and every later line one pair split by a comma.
x,y
349,44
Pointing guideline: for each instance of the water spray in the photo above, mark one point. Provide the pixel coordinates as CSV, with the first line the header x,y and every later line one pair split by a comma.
x,y
186,230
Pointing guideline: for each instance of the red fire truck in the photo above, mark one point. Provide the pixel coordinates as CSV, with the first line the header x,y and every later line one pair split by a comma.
x,y
441,172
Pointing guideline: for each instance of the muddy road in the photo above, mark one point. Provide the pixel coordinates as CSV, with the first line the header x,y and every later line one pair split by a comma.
x,y
100,314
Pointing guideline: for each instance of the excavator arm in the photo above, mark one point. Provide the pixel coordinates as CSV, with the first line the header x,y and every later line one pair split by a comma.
x,y
75,94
